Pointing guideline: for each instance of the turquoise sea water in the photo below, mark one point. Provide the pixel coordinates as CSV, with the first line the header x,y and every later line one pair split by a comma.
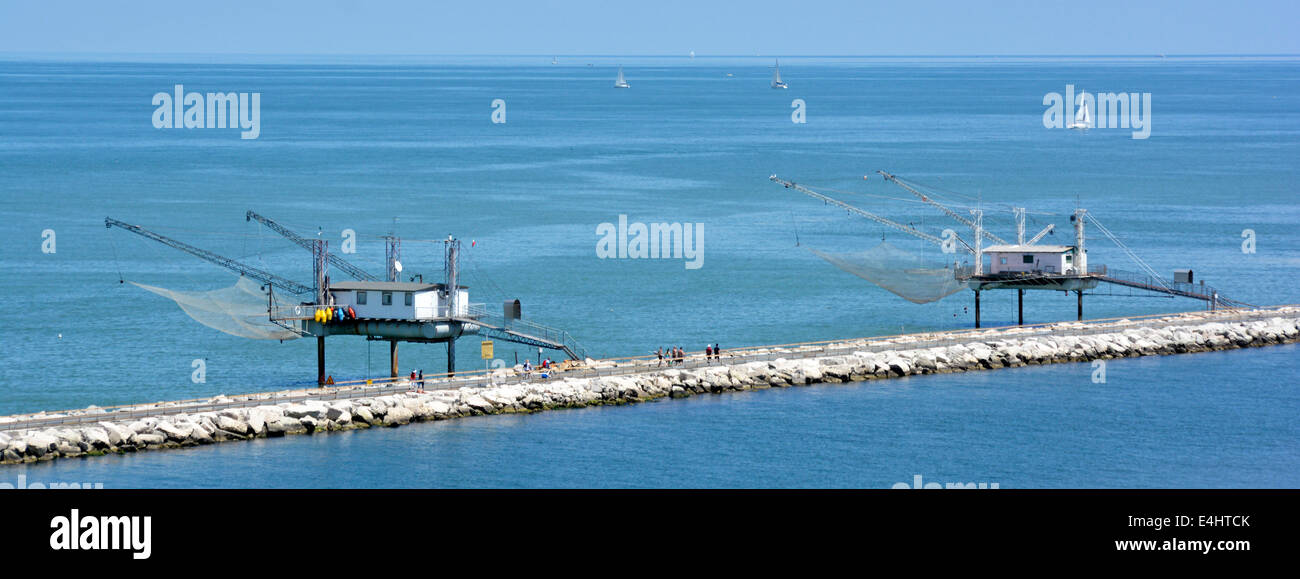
x,y
352,146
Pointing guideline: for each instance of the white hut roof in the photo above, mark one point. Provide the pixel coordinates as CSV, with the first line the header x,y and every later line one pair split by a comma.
x,y
1028,248
388,286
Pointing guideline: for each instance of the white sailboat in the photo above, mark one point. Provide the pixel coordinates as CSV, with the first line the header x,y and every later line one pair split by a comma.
x,y
776,76
1082,118
621,82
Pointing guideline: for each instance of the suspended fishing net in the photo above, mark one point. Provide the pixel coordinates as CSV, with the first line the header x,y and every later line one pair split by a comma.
x,y
238,310
901,272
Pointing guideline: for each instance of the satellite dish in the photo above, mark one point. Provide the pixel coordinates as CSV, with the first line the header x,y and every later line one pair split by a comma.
x,y
397,265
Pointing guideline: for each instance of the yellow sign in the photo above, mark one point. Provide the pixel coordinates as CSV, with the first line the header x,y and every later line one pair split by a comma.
x,y
487,349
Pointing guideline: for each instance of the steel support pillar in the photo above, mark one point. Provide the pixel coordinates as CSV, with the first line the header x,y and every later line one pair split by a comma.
x,y
320,360
392,358
1020,307
451,357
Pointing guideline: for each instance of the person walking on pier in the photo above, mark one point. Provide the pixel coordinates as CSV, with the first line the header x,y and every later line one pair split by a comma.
x,y
717,352
708,354
660,354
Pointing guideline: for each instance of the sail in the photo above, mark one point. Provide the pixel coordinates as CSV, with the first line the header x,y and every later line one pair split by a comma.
x,y
1082,116
776,73
620,76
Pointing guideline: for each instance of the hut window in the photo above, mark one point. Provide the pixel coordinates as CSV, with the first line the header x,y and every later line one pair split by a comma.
x,y
408,298
387,298
1004,261
1029,258
1069,258
361,298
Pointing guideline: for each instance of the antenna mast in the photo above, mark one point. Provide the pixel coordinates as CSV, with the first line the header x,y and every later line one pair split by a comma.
x,y
452,268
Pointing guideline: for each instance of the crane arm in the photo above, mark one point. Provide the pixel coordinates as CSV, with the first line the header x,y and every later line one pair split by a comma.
x,y
1050,227
230,264
872,216
336,261
926,198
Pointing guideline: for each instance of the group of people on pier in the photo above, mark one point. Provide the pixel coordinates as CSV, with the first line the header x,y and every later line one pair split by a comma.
x,y
675,355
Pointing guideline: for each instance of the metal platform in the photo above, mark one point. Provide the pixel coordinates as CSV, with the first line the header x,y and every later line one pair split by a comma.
x,y
1034,281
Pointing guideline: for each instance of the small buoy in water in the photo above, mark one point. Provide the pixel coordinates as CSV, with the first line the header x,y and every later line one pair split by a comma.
x,y
60,336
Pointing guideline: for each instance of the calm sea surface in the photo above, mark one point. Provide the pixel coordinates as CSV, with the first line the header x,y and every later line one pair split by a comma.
x,y
409,147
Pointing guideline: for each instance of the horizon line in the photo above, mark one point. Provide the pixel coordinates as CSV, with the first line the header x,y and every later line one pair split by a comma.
x,y
687,56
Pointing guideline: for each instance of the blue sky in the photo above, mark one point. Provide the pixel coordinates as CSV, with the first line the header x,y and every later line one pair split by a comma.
x,y
652,27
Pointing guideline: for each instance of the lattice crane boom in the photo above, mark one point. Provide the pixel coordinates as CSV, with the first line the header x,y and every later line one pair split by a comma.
x,y
309,244
260,275
930,201
872,216
1035,239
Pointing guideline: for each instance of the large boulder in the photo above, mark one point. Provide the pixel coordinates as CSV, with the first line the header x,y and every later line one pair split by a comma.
x,y
311,408
398,415
150,439
379,406
899,366
925,362
285,425
40,443
69,436
231,424
339,416
259,417
480,404
439,408
199,435
174,432
17,446
117,434
363,414
97,438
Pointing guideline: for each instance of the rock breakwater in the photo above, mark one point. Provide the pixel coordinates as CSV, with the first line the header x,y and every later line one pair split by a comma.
x,y
834,363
